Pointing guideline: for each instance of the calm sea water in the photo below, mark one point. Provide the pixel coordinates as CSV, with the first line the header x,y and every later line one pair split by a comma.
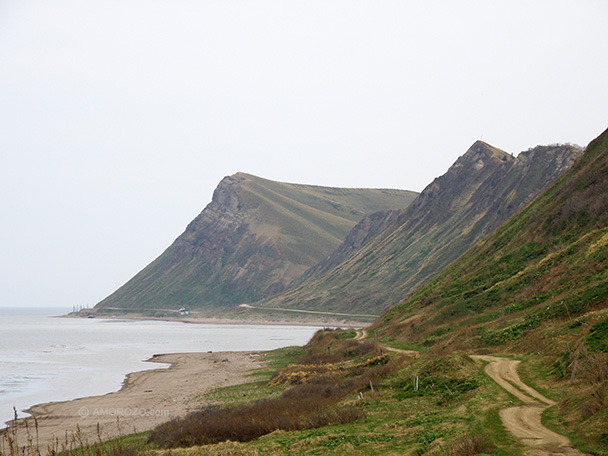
x,y
44,359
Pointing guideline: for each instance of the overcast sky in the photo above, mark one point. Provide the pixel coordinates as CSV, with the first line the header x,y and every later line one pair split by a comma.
x,y
119,117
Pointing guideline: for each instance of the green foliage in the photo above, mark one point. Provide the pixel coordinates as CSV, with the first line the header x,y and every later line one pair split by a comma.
x,y
347,334
355,440
560,366
431,418
444,387
429,436
597,338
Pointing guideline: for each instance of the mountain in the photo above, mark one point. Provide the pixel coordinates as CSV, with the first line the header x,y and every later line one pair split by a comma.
x,y
253,239
537,281
387,255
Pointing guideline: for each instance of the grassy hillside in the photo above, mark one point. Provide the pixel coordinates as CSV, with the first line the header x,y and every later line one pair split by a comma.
x,y
250,242
536,289
384,258
549,262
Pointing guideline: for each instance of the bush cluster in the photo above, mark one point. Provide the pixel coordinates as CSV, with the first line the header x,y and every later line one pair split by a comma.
x,y
314,389
298,408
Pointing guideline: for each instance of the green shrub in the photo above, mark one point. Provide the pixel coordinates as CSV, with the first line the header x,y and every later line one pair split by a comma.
x,y
597,338
444,387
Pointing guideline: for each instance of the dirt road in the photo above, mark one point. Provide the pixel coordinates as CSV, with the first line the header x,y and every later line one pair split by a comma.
x,y
314,312
524,422
362,334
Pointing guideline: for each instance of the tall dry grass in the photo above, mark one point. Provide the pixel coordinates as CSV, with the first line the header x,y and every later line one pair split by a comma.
x,y
26,443
469,445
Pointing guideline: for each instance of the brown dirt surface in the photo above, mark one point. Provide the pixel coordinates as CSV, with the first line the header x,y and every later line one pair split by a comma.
x,y
362,335
524,422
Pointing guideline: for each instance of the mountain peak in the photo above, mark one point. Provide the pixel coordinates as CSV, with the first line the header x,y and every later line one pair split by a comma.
x,y
479,155
481,149
242,175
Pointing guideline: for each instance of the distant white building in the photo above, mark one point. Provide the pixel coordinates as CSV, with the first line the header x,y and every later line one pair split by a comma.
x,y
183,311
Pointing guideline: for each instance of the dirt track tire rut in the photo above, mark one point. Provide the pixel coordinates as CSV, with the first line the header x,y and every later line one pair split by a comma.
x,y
524,422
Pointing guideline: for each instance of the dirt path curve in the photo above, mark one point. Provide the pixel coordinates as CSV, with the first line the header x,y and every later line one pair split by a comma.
x,y
524,422
315,312
362,334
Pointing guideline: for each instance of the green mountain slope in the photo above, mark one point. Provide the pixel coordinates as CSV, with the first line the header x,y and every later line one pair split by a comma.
x,y
389,254
250,242
547,265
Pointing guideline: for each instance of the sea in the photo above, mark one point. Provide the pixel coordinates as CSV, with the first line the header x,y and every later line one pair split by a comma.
x,y
46,358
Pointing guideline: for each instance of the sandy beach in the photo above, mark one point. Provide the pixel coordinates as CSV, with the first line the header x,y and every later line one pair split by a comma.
x,y
145,400
299,319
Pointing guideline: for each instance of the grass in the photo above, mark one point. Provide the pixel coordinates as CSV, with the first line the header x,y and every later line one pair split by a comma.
x,y
459,415
535,290
430,423
331,370
576,377
75,444
547,265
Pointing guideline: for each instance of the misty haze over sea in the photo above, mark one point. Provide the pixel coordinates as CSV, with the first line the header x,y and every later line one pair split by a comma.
x,y
44,359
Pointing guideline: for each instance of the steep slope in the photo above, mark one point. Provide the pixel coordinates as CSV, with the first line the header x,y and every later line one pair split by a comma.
x,y
250,242
386,256
368,228
547,264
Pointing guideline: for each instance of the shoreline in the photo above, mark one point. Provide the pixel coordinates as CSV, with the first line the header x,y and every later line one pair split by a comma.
x,y
228,321
146,399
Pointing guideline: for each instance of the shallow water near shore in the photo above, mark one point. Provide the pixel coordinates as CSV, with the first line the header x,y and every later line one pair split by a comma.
x,y
44,359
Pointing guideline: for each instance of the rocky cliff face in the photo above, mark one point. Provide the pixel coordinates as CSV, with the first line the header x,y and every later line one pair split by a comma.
x,y
253,239
221,226
481,190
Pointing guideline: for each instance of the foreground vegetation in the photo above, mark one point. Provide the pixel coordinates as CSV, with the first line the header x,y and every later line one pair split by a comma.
x,y
340,396
310,392
333,396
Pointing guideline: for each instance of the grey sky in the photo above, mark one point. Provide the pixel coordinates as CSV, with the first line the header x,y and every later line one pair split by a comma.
x,y
119,117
